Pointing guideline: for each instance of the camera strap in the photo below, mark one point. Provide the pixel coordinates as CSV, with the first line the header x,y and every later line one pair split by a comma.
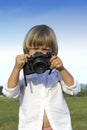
x,y
50,71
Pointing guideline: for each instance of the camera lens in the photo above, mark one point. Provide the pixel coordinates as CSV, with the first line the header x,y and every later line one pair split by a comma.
x,y
39,66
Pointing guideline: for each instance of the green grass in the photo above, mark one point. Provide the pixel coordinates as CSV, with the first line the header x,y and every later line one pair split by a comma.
x,y
8,113
78,110
77,105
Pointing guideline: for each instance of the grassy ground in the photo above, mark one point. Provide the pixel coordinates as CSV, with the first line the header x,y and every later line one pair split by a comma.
x,y
77,105
78,110
8,114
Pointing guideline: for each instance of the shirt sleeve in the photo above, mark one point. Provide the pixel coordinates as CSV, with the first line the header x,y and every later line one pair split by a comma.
x,y
71,90
13,92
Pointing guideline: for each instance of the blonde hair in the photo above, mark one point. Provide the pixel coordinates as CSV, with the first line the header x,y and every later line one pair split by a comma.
x,y
40,35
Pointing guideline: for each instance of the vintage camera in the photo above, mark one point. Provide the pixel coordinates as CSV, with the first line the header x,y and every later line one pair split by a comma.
x,y
38,63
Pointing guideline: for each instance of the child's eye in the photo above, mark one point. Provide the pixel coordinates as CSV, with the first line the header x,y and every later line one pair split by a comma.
x,y
45,49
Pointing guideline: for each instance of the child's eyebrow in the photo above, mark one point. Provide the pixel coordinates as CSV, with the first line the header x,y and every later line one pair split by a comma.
x,y
45,48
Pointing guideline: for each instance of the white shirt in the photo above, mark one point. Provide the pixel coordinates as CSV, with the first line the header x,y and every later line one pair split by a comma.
x,y
43,92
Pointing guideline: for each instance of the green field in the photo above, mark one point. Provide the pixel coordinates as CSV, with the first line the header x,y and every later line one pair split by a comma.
x,y
8,113
77,105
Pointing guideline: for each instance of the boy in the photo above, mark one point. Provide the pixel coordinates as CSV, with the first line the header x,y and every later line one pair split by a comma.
x,y
42,104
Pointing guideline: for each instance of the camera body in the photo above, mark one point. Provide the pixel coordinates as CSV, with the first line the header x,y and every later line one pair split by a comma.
x,y
38,63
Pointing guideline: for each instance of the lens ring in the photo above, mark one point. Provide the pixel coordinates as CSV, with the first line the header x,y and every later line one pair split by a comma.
x,y
40,67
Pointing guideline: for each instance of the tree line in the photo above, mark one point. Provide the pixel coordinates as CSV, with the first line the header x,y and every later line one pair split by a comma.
x,y
1,90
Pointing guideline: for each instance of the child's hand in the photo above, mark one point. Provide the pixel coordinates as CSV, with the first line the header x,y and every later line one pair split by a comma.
x,y
56,63
21,60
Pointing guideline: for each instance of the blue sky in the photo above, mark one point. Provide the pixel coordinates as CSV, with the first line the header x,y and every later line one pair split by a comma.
x,y
68,18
